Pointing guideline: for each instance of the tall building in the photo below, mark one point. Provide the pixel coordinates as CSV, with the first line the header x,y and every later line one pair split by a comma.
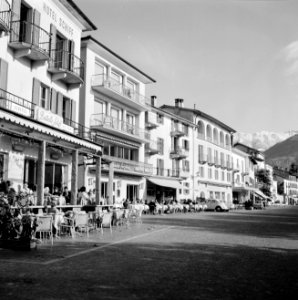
x,y
113,105
198,152
40,76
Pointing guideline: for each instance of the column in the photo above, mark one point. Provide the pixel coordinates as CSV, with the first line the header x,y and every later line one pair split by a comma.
x,y
74,176
41,172
110,185
98,180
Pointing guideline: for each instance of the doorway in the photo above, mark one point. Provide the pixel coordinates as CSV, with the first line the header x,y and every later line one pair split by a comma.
x,y
132,192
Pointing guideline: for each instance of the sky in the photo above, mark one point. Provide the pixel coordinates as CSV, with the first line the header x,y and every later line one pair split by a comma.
x,y
236,60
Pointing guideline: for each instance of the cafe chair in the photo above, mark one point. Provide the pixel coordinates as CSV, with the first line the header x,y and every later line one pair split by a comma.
x,y
82,223
45,227
106,221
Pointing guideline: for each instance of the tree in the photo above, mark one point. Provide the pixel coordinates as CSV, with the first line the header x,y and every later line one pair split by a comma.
x,y
264,181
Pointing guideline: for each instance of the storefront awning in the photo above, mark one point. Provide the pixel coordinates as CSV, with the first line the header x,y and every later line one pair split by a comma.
x,y
49,131
260,194
174,184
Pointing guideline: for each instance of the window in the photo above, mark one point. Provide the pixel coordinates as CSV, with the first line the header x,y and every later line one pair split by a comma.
x,y
223,196
44,96
222,159
209,173
160,145
201,153
130,121
186,184
185,144
160,119
116,82
209,155
66,110
1,167
202,172
211,195
99,107
217,195
160,167
223,175
185,165
185,129
229,177
216,174
186,192
216,157
130,89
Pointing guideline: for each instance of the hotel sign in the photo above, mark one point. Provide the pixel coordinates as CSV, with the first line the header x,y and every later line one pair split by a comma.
x,y
57,19
53,120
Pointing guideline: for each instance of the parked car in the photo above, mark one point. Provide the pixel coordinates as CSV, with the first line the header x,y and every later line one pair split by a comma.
x,y
216,205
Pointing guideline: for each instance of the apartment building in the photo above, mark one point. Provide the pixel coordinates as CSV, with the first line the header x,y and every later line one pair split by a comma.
x,y
113,105
169,152
200,151
40,76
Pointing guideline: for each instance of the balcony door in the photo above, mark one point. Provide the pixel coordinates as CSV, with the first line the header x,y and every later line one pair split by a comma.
x,y
115,114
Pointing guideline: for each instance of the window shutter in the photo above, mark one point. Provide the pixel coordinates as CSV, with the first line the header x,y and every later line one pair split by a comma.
x,y
59,104
36,91
36,29
16,10
74,111
65,56
53,32
54,101
3,74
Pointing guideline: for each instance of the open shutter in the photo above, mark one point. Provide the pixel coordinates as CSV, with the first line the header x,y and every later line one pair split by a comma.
x,y
3,74
59,104
65,56
72,62
36,91
53,32
54,101
16,10
74,111
36,28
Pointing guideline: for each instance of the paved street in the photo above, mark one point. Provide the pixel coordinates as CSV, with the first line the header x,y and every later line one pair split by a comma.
x,y
235,255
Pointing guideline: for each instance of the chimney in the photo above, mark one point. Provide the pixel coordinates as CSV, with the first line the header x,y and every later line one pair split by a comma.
x,y
179,102
153,101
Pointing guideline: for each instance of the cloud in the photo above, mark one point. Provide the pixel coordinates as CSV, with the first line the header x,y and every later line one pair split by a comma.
x,y
290,55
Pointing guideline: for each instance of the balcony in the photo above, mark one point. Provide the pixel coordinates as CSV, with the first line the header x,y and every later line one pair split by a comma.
x,y
29,110
229,166
178,153
210,160
108,86
184,173
105,123
177,130
29,40
67,68
151,120
166,172
203,158
151,147
5,15
128,166
223,164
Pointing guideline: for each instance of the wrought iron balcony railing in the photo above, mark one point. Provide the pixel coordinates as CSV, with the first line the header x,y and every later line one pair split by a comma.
x,y
107,82
166,172
108,122
65,61
5,20
26,35
179,152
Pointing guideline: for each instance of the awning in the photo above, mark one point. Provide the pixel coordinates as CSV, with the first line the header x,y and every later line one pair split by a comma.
x,y
260,194
174,184
49,131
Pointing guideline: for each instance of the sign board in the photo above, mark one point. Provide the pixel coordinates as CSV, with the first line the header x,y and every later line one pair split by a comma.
x,y
16,166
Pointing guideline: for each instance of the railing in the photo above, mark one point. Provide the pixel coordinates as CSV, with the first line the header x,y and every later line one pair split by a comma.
x,y
179,151
151,144
210,160
203,158
178,129
112,84
116,124
166,172
16,104
65,60
5,17
129,166
29,33
26,108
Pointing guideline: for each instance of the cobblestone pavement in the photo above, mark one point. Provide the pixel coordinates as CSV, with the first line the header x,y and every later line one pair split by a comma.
x,y
235,255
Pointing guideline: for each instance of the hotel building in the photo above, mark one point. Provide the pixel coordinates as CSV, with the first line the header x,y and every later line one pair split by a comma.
x,y
40,76
113,105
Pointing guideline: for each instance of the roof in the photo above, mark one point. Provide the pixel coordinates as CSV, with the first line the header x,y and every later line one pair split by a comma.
x,y
248,148
76,11
201,114
146,78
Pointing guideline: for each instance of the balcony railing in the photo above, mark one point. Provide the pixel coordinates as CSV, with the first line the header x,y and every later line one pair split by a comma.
x,y
151,120
26,35
103,81
68,67
5,20
151,147
128,166
166,172
26,108
178,153
177,130
210,160
203,158
107,122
